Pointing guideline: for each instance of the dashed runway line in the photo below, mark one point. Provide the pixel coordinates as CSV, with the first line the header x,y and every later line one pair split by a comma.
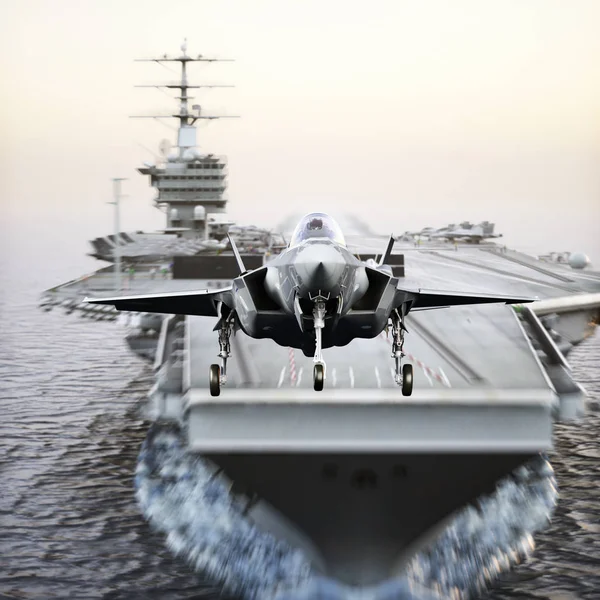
x,y
292,361
296,377
430,373
439,376
281,377
428,378
444,377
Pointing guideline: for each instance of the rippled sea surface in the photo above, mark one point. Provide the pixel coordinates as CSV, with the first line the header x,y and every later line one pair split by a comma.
x,y
71,426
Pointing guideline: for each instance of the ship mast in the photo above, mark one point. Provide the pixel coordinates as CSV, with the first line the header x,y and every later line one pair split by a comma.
x,y
185,117
186,188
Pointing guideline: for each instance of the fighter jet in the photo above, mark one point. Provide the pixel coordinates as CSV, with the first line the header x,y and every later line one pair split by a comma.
x,y
467,232
314,295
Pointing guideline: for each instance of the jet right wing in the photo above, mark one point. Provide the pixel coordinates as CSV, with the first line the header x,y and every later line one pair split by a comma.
x,y
199,302
424,300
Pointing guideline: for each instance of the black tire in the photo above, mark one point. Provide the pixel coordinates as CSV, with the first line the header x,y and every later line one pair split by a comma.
x,y
214,380
318,377
407,380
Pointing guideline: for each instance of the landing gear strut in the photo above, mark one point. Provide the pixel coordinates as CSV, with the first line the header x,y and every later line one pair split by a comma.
x,y
403,374
217,375
319,323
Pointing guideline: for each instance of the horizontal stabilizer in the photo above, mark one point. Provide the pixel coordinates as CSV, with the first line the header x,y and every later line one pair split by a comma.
x,y
441,299
199,302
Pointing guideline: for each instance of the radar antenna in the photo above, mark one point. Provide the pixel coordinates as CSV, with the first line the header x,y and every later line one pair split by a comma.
x,y
187,131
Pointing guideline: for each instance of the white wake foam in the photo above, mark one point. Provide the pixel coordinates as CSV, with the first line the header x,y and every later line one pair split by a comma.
x,y
183,496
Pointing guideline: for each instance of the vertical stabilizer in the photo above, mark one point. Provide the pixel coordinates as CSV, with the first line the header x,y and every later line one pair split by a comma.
x,y
236,253
388,252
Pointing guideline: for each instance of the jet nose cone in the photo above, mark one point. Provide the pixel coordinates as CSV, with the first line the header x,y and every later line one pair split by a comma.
x,y
320,268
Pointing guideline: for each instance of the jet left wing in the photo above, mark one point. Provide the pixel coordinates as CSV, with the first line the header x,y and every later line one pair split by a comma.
x,y
439,299
199,302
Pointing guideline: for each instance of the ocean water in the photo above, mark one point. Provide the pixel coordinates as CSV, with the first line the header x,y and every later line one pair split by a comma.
x,y
72,399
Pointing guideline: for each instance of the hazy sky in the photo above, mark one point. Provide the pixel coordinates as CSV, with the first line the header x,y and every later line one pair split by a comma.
x,y
406,113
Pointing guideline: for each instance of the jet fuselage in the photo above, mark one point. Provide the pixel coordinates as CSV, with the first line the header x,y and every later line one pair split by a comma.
x,y
285,291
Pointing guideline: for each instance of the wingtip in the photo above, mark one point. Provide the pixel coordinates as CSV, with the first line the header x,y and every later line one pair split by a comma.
x,y
518,306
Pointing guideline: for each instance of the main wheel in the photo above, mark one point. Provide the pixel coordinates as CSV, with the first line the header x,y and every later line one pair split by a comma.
x,y
318,377
214,380
407,380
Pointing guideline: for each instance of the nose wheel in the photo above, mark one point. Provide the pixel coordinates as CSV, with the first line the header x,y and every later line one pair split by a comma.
x,y
407,380
318,377
214,379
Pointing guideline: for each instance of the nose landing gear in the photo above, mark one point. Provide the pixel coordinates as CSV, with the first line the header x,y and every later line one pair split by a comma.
x,y
217,374
403,373
319,323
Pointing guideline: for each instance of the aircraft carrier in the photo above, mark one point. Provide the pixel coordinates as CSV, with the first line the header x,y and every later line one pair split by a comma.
x,y
358,479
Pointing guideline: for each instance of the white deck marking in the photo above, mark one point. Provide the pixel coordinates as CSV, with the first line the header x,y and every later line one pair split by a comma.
x,y
444,377
351,373
377,377
428,378
281,376
299,376
333,377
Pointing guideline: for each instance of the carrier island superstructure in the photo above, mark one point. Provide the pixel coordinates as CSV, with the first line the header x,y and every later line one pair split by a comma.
x,y
191,185
357,477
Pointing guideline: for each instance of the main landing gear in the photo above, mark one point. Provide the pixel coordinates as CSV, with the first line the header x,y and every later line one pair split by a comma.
x,y
319,323
217,374
404,375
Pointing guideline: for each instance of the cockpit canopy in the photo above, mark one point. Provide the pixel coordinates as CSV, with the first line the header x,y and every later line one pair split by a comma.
x,y
317,225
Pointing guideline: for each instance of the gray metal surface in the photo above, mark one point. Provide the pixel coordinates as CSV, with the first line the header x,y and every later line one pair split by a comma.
x,y
362,512
375,421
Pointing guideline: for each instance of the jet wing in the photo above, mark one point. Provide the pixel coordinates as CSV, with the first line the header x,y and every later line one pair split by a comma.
x,y
426,299
199,302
